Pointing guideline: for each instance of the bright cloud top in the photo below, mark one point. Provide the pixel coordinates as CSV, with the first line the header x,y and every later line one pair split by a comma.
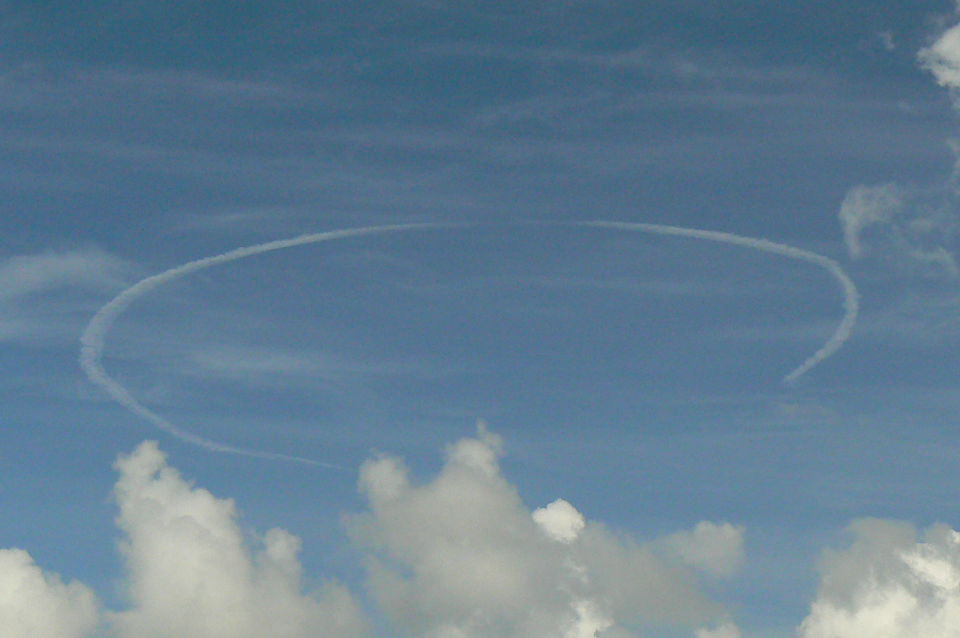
x,y
459,556
192,575
942,58
889,584
463,556
34,603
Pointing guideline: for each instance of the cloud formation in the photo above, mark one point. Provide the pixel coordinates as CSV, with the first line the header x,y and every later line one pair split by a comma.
x,y
192,575
93,338
942,58
889,584
35,299
22,275
866,206
462,556
37,603
459,556
908,228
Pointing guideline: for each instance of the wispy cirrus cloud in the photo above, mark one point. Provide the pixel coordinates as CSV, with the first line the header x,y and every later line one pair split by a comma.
x,y
42,295
908,226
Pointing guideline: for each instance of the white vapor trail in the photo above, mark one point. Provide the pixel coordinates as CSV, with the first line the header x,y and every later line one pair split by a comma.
x,y
94,335
851,298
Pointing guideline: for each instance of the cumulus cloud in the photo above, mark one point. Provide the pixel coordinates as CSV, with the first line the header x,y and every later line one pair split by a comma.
x,y
459,556
942,58
560,521
462,556
36,603
191,573
889,584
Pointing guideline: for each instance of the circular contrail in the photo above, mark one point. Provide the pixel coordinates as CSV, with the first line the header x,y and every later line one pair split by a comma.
x,y
94,335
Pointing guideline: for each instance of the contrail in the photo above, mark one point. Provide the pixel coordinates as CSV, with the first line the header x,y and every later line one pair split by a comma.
x,y
851,298
94,335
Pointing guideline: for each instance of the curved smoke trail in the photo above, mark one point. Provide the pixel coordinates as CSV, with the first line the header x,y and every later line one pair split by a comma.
x,y
851,298
94,335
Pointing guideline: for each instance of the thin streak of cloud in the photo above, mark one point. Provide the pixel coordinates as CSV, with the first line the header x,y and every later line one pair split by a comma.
x,y
23,275
851,297
94,335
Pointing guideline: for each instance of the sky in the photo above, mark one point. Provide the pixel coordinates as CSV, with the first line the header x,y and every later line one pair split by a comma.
x,y
642,322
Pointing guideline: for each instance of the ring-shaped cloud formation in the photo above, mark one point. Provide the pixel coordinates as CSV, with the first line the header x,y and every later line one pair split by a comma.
x,y
94,335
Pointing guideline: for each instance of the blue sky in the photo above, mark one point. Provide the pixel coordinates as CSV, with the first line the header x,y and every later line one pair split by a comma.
x,y
637,376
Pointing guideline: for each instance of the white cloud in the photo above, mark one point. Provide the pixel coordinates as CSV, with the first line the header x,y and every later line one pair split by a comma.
x,y
560,521
192,575
34,603
907,226
942,58
457,557
35,290
866,206
89,269
911,229
462,555
889,584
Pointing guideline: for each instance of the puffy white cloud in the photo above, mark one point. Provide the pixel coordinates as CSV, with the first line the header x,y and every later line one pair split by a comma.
x,y
34,603
889,584
560,521
942,58
462,556
192,575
